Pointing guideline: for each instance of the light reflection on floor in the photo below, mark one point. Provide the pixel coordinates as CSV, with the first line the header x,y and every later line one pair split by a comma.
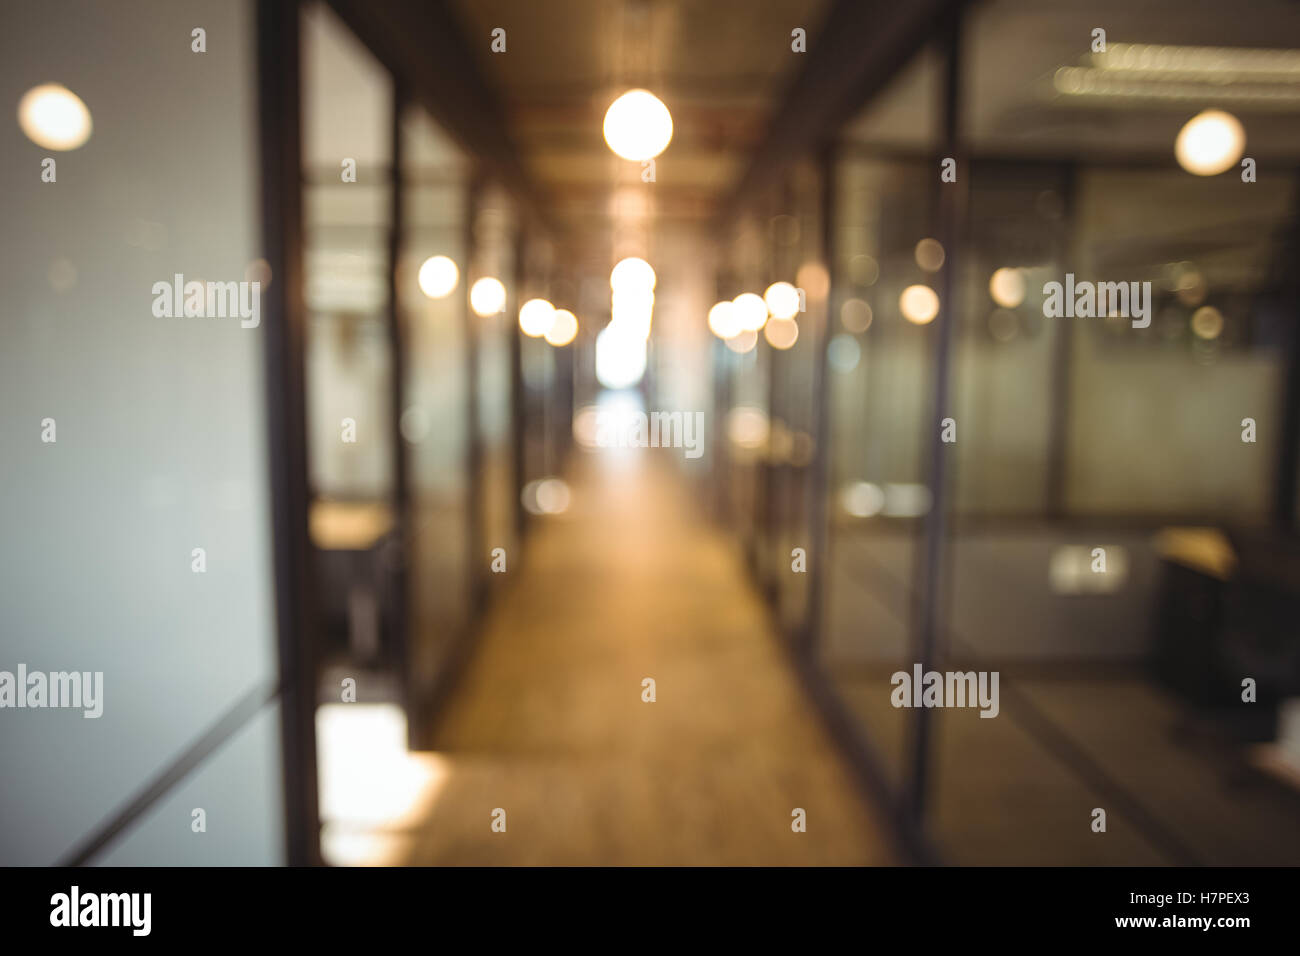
x,y
372,789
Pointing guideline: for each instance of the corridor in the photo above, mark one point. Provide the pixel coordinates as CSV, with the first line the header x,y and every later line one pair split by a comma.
x,y
548,723
649,433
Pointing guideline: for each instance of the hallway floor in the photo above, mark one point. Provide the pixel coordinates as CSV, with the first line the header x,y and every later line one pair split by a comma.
x,y
549,725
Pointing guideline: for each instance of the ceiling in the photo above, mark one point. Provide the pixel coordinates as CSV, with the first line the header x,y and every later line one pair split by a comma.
x,y
1012,106
719,65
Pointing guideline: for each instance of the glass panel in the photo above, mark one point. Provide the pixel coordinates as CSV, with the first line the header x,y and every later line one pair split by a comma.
x,y
880,381
1112,561
347,158
494,240
136,506
432,300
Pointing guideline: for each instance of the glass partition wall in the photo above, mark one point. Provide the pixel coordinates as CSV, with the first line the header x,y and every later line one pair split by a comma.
x,y
442,564
348,103
1117,443
412,374
137,506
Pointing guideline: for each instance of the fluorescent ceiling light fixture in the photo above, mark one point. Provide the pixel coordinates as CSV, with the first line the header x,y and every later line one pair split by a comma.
x,y
1220,61
1092,83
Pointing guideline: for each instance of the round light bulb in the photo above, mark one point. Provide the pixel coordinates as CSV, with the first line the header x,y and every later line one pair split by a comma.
x,y
743,342
536,316
1210,143
632,275
919,304
563,329
781,333
782,300
638,126
929,255
53,116
1007,287
722,321
750,311
487,296
438,277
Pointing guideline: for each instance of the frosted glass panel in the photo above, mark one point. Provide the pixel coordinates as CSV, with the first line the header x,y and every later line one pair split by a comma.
x,y
159,443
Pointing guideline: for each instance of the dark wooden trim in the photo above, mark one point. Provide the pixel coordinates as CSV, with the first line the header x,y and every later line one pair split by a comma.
x,y
518,403
931,581
1056,501
819,475
402,539
1287,481
475,501
284,324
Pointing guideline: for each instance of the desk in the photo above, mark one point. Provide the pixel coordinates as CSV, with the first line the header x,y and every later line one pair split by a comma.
x,y
349,525
354,530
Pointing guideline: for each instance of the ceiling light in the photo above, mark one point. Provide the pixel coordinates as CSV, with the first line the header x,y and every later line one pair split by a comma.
x,y
1210,143
722,321
929,255
438,277
563,329
1007,287
536,316
632,275
919,304
620,358
638,126
53,116
750,311
782,300
743,342
781,333
487,296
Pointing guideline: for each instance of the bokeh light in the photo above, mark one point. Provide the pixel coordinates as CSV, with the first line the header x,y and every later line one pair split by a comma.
x,y
53,116
750,311
638,125
563,330
487,296
782,300
438,277
919,304
1210,142
536,316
